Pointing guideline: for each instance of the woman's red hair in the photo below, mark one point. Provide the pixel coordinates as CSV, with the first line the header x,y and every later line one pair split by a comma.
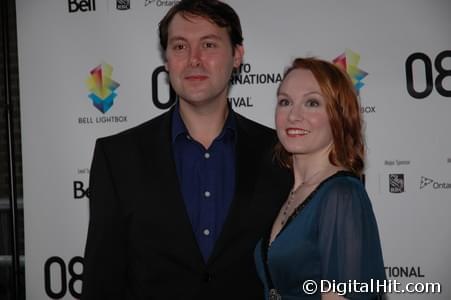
x,y
343,110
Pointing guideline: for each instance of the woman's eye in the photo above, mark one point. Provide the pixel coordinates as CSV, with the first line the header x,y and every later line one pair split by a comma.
x,y
312,103
283,102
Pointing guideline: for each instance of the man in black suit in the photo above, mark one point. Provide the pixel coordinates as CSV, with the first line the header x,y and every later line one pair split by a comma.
x,y
178,203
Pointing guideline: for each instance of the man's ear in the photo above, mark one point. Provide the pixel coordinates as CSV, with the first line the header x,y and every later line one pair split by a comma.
x,y
238,56
166,66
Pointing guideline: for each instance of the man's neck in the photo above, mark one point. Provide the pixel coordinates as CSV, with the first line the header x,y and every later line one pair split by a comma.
x,y
204,123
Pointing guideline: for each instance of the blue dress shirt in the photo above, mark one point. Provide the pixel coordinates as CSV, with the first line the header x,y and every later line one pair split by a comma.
x,y
206,177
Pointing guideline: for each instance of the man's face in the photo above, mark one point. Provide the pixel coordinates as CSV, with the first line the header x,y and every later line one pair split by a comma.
x,y
200,59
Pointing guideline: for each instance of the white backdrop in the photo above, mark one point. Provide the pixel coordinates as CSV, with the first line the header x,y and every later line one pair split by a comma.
x,y
404,45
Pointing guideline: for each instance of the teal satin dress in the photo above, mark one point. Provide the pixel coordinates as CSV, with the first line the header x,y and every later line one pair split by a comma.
x,y
333,237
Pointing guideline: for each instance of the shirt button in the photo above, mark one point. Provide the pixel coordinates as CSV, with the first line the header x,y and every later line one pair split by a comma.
x,y
207,194
207,155
206,232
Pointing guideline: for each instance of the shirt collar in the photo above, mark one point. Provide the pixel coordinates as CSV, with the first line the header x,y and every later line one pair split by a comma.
x,y
179,128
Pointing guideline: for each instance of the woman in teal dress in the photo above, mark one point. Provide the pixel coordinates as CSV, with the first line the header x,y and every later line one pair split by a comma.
x,y
324,243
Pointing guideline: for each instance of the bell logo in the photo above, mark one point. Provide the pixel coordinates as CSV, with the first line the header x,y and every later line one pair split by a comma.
x,y
80,191
81,5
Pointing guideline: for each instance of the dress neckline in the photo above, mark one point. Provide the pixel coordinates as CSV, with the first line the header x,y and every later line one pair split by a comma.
x,y
304,203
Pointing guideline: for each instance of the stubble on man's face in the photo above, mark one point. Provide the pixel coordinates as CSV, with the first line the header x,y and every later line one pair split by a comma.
x,y
200,59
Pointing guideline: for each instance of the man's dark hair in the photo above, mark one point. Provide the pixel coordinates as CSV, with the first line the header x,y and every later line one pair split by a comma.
x,y
216,11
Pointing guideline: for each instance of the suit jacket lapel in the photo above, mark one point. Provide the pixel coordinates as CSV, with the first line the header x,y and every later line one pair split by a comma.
x,y
160,165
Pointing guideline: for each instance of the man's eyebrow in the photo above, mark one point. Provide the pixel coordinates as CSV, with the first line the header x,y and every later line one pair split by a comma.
x,y
176,38
206,37
211,36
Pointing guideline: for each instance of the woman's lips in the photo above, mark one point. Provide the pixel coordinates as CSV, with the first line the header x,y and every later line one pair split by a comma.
x,y
294,132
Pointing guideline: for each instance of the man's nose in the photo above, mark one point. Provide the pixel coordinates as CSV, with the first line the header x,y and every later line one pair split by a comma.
x,y
195,57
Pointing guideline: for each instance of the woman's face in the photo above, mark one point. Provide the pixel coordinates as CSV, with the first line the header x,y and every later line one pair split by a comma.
x,y
302,122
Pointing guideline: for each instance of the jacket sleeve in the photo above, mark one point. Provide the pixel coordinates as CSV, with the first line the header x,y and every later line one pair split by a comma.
x,y
104,274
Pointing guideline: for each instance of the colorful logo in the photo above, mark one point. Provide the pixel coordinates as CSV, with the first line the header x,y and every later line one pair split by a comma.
x,y
102,87
349,61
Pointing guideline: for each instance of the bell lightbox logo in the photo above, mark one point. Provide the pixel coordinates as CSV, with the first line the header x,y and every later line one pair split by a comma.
x,y
102,87
349,61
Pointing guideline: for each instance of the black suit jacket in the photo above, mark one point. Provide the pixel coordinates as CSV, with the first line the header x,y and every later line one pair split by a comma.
x,y
140,241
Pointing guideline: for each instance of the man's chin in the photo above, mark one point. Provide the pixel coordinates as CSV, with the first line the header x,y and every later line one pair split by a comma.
x,y
198,97
198,101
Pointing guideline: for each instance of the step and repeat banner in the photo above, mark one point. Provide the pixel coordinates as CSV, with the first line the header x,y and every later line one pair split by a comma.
x,y
91,68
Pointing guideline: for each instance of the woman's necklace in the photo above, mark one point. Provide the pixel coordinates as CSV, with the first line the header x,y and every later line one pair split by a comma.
x,y
287,206
287,211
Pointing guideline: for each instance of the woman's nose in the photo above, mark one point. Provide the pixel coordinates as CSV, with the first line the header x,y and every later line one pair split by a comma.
x,y
296,113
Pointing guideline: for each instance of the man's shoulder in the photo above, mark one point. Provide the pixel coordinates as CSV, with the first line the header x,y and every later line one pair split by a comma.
x,y
253,128
149,129
255,134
